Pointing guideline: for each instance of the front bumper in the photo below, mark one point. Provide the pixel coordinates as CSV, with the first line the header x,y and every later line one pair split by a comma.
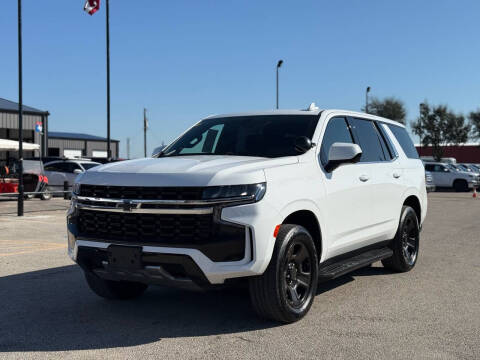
x,y
179,265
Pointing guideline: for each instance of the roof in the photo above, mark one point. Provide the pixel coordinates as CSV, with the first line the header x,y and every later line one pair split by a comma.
x,y
76,136
12,106
311,112
266,113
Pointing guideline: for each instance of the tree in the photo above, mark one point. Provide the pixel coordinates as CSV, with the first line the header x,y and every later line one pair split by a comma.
x,y
475,120
439,126
389,108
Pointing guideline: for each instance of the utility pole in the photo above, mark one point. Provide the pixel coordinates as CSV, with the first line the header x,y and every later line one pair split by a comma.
x,y
20,114
145,127
128,148
109,152
279,64
366,98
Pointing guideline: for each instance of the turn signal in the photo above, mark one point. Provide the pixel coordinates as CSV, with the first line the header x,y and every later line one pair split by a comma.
x,y
275,232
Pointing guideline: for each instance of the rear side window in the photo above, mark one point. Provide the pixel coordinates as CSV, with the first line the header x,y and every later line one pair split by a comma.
x,y
404,141
336,131
369,140
429,167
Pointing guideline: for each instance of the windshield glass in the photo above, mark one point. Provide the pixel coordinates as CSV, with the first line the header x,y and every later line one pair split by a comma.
x,y
89,165
262,136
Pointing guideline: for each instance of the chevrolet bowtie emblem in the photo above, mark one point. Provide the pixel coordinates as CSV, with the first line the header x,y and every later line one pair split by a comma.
x,y
127,205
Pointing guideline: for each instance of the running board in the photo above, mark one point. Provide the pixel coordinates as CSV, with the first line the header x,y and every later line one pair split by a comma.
x,y
345,266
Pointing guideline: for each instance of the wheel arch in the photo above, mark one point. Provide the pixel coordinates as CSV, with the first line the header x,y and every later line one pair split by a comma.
x,y
309,221
414,202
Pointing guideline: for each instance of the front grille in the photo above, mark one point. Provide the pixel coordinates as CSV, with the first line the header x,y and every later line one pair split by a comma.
x,y
142,193
174,229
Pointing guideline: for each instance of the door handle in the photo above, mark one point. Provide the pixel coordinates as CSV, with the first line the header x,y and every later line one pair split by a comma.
x,y
396,175
364,178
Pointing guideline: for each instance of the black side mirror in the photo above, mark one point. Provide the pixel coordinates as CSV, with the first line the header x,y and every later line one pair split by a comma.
x,y
303,144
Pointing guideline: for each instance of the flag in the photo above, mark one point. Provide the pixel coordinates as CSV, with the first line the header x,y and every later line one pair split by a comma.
x,y
92,6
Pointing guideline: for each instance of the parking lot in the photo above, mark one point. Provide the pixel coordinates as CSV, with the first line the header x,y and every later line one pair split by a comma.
x,y
433,312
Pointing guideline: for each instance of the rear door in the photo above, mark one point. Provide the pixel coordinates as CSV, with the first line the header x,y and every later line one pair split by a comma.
x,y
348,207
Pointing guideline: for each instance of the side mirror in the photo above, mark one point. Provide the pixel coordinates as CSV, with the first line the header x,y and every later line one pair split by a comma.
x,y
157,151
446,170
77,171
341,153
303,144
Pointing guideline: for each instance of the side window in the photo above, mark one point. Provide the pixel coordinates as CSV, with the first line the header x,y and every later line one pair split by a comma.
x,y
387,141
369,139
404,141
51,167
336,131
429,167
63,167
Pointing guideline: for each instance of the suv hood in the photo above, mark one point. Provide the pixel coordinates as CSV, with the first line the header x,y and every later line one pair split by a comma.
x,y
198,170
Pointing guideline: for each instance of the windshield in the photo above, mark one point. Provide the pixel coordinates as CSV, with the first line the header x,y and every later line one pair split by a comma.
x,y
89,165
262,136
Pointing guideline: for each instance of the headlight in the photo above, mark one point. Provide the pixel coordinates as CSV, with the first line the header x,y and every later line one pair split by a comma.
x,y
238,192
76,189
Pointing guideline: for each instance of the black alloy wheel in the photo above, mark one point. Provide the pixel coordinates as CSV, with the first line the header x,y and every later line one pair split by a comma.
x,y
297,274
286,290
405,245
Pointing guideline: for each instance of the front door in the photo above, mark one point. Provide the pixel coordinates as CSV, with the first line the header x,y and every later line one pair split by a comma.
x,y
348,193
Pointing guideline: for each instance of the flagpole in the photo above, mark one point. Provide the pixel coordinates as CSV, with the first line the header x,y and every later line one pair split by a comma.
x,y
109,154
20,114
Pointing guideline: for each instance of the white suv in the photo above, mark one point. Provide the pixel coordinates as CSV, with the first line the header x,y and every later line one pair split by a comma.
x,y
447,175
282,199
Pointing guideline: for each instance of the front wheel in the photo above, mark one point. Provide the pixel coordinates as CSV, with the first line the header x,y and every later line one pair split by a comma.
x,y
121,290
405,245
286,290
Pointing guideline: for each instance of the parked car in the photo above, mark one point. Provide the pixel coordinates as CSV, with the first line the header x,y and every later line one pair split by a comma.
x,y
471,169
35,181
59,171
280,199
430,184
448,176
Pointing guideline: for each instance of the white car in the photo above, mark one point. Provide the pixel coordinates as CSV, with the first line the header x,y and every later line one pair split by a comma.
x,y
59,171
281,199
449,176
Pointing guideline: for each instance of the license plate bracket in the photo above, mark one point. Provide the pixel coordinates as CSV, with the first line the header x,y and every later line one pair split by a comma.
x,y
125,257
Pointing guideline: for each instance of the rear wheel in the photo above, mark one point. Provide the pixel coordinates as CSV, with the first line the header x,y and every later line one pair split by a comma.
x,y
460,186
46,195
121,290
286,290
406,243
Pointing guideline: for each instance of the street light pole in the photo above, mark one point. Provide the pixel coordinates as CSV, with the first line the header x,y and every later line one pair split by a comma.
x,y
109,154
20,114
366,98
279,64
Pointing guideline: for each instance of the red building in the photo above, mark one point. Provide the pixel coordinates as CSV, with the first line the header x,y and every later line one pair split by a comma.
x,y
467,153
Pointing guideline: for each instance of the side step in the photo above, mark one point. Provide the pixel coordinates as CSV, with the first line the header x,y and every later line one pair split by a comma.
x,y
345,266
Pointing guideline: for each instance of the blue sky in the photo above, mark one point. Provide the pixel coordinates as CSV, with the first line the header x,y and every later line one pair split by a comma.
x,y
184,60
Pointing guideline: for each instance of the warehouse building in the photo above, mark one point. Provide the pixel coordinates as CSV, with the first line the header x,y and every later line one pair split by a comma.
x,y
35,121
73,145
52,143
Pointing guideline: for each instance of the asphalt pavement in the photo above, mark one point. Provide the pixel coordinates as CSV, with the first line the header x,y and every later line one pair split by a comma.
x,y
432,312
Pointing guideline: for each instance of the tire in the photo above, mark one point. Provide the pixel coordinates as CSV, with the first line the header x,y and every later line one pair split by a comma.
x,y
405,245
460,186
46,195
114,290
286,290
